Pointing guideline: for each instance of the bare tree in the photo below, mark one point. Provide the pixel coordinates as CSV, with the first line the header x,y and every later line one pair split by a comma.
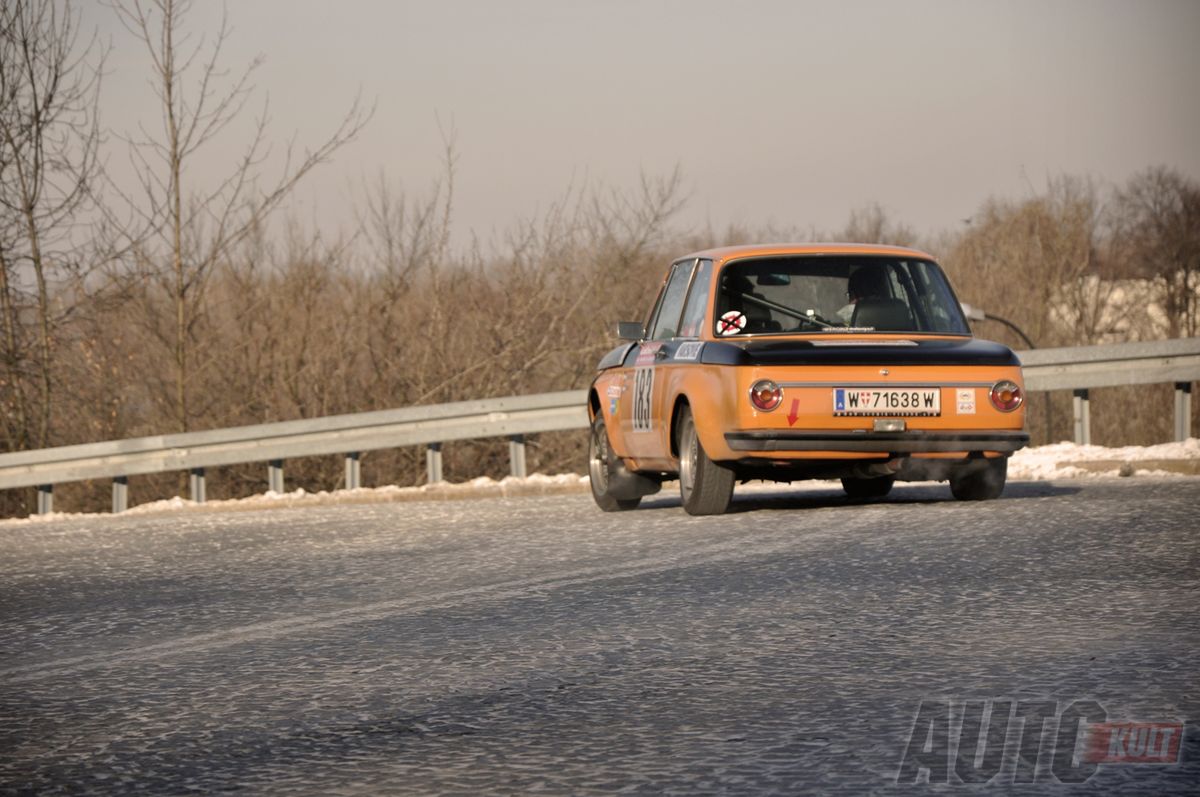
x,y
1034,261
406,240
1156,237
870,224
193,228
49,132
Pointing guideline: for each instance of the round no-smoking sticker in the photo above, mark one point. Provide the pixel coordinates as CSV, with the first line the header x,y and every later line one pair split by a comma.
x,y
731,323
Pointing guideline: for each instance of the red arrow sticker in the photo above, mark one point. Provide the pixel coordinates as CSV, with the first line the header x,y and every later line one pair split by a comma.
x,y
794,412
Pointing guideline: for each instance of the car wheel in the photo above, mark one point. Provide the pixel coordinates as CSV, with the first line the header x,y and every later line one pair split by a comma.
x,y
981,484
601,464
705,486
868,488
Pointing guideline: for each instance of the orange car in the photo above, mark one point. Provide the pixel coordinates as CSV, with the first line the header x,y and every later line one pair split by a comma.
x,y
786,362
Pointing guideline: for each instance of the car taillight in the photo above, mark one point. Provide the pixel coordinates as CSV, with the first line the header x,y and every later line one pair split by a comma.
x,y
1006,396
765,395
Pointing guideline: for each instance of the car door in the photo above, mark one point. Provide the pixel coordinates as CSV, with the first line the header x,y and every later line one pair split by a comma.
x,y
643,426
672,345
678,355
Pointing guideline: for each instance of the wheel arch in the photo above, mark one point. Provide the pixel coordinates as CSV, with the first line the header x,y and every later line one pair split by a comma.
x,y
680,402
593,404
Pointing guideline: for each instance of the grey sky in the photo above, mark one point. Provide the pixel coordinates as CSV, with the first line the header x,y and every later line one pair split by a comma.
x,y
788,113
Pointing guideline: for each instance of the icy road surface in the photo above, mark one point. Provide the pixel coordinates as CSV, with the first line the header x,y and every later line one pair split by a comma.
x,y
518,645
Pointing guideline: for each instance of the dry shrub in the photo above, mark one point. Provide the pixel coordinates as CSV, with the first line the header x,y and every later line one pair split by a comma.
x,y
295,326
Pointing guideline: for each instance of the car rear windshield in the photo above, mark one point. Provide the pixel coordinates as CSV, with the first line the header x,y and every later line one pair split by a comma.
x,y
835,293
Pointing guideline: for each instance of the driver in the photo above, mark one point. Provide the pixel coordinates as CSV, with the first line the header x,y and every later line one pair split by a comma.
x,y
865,282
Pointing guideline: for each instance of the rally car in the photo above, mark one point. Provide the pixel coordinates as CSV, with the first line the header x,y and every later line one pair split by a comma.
x,y
809,361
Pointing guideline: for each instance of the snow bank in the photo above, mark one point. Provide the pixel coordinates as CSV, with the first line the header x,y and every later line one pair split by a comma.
x,y
1068,460
483,487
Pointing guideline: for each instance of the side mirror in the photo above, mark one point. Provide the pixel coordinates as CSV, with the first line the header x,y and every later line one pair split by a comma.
x,y
630,330
973,313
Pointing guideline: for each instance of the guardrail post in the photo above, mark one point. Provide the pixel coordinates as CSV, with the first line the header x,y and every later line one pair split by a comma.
x,y
45,499
353,471
196,485
516,455
275,475
120,494
1083,421
1183,411
433,463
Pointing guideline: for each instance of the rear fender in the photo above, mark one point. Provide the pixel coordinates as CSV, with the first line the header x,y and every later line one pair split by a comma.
x,y
710,393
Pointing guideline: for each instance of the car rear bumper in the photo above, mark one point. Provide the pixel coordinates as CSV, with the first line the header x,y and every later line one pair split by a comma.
x,y
910,442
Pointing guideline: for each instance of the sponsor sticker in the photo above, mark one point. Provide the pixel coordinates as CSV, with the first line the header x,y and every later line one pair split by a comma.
x,y
860,342
731,323
647,354
689,350
964,400
615,391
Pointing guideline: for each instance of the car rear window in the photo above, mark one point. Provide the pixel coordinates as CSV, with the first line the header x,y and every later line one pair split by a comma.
x,y
836,293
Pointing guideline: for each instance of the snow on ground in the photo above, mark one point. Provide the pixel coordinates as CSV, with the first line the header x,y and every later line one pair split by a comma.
x,y
483,487
1058,461
1068,460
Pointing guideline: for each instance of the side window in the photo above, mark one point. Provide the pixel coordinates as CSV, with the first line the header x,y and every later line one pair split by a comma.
x,y
697,303
666,322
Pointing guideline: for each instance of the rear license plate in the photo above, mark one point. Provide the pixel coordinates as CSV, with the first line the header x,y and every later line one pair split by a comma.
x,y
887,401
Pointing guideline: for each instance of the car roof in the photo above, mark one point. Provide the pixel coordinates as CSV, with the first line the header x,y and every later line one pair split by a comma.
x,y
722,254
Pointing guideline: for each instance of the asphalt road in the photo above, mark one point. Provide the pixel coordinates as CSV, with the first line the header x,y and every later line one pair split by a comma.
x,y
536,644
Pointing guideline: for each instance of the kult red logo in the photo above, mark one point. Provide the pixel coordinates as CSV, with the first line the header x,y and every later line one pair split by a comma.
x,y
1134,742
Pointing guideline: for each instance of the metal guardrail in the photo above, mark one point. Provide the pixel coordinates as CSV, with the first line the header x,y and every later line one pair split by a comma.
x,y
1077,368
1110,365
512,417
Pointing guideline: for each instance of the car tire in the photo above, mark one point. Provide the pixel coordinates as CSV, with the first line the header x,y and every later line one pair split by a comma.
x,y
981,484
601,466
868,488
705,487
